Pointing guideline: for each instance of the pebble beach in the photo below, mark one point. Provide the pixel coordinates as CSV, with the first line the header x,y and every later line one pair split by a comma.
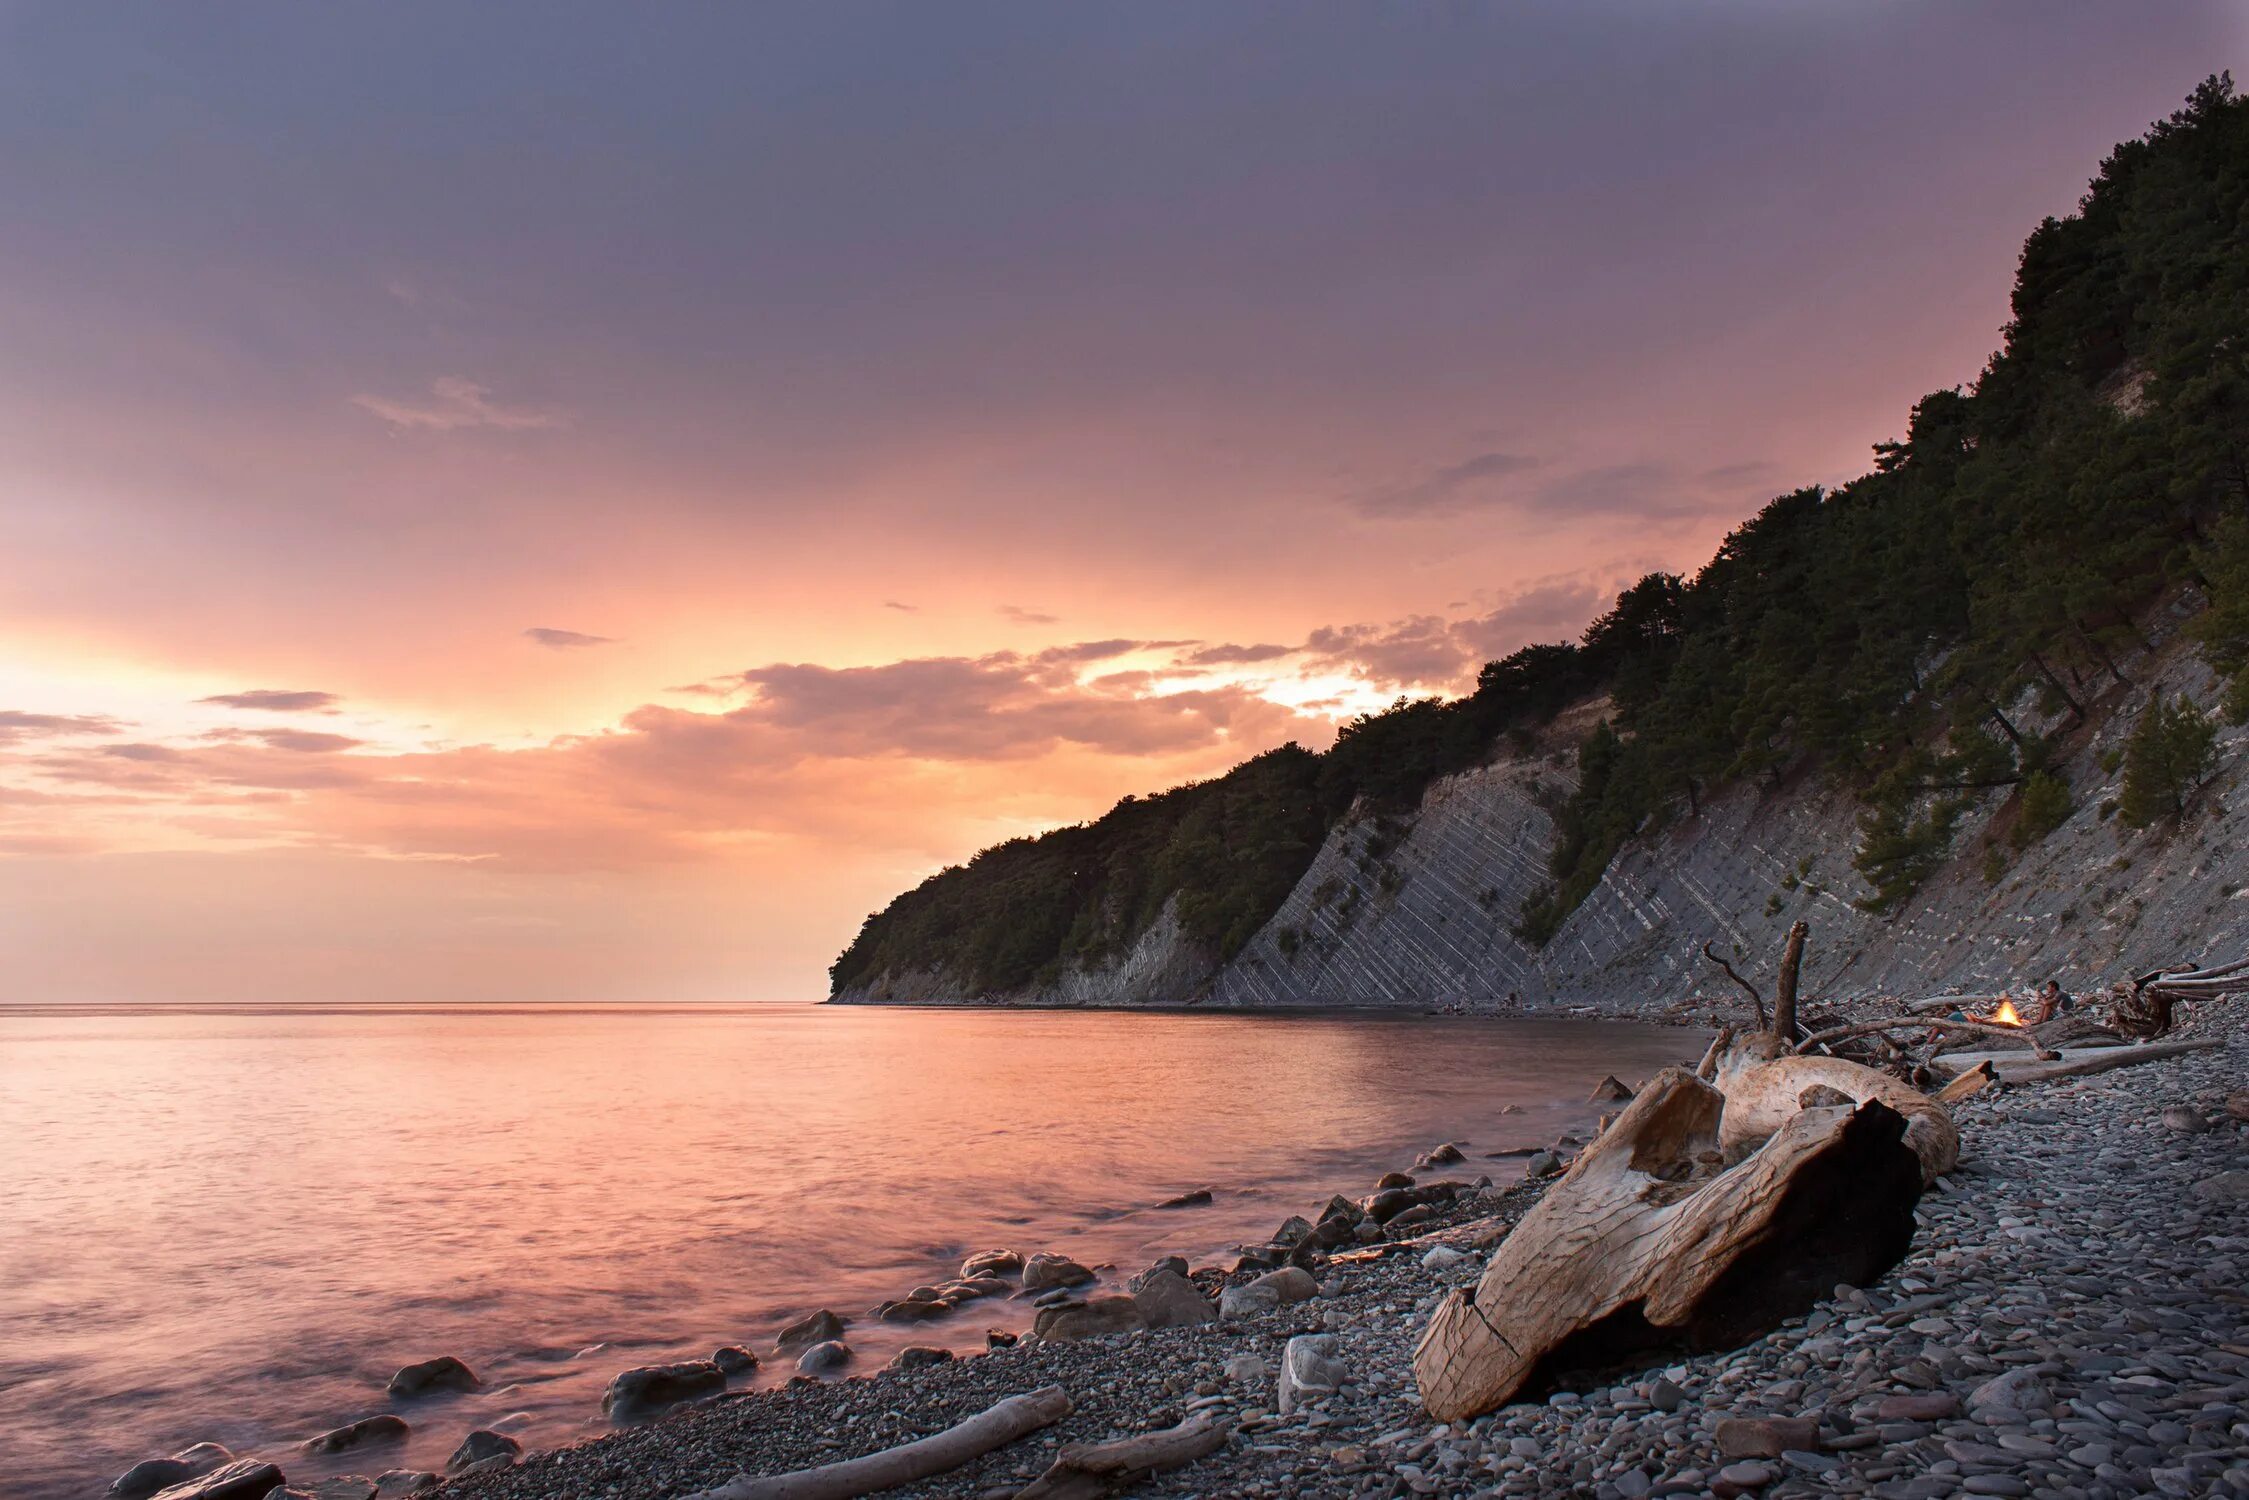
x,y
2071,1321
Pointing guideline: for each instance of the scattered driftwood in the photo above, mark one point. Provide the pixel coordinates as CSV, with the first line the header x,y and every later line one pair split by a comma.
x,y
1089,1471
2099,1060
1888,1024
1968,1083
994,1427
1650,1241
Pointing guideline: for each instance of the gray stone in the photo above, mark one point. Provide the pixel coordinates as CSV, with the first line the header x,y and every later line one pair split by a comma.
x,y
1290,1284
824,1358
992,1263
1194,1198
482,1446
364,1433
243,1479
2226,1187
1250,1301
1091,1318
1167,1299
152,1474
444,1373
822,1327
1764,1437
921,1357
340,1487
733,1359
1738,1478
1309,1368
2016,1390
649,1389
1043,1271
395,1482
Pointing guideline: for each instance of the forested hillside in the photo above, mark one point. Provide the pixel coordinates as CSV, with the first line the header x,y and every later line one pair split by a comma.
x,y
1888,634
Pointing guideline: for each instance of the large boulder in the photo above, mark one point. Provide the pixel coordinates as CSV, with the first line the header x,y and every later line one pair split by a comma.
x,y
1167,1299
152,1474
392,1483
733,1359
1042,1272
481,1446
364,1433
825,1358
244,1479
1089,1319
650,1389
1309,1370
1194,1198
444,1373
822,1327
913,1311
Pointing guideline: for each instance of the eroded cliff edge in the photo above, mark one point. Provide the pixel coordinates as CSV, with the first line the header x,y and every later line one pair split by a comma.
x,y
1418,911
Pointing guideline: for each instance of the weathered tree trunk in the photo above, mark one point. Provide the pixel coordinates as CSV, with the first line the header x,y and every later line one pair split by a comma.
x,y
1784,990
1765,1084
964,1441
1088,1471
1651,1242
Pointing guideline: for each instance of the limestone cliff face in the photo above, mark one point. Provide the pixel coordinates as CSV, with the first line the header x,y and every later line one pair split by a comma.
x,y
1418,911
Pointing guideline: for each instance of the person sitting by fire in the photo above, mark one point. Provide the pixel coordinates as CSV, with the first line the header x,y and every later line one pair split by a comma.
x,y
2052,1000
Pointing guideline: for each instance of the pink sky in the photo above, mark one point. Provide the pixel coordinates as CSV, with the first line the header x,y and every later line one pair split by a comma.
x,y
590,511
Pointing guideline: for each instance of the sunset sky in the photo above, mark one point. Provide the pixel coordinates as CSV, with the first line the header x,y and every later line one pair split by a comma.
x,y
583,503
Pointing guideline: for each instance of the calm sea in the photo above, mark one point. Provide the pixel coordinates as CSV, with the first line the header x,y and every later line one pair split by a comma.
x,y
235,1225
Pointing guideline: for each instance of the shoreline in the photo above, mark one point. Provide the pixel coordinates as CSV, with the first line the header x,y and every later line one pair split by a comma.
x,y
2083,1240
1682,1016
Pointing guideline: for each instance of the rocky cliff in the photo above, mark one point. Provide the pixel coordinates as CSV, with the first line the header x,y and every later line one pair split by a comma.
x,y
1417,911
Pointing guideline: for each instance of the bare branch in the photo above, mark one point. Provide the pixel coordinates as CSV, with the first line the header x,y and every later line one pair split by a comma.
x,y
1747,988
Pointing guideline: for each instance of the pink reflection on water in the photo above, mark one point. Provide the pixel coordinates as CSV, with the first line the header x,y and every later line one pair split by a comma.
x,y
236,1226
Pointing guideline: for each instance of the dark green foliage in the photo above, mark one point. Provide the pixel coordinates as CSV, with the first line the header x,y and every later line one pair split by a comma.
x,y
1884,632
2171,753
2006,543
2223,628
1905,834
1230,849
2045,807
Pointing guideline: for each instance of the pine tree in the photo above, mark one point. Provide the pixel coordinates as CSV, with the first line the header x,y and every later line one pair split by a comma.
x,y
2170,755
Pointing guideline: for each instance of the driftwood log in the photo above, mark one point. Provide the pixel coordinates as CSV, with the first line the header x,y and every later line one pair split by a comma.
x,y
963,1442
1765,1085
1651,1241
1089,1471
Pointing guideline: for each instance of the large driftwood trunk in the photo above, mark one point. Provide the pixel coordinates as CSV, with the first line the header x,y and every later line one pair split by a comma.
x,y
1651,1241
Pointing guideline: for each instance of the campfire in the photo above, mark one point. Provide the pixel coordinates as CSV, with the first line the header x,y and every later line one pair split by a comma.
x,y
2006,1015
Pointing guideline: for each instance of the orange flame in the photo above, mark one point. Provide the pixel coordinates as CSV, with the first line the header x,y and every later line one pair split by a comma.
x,y
2006,1014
